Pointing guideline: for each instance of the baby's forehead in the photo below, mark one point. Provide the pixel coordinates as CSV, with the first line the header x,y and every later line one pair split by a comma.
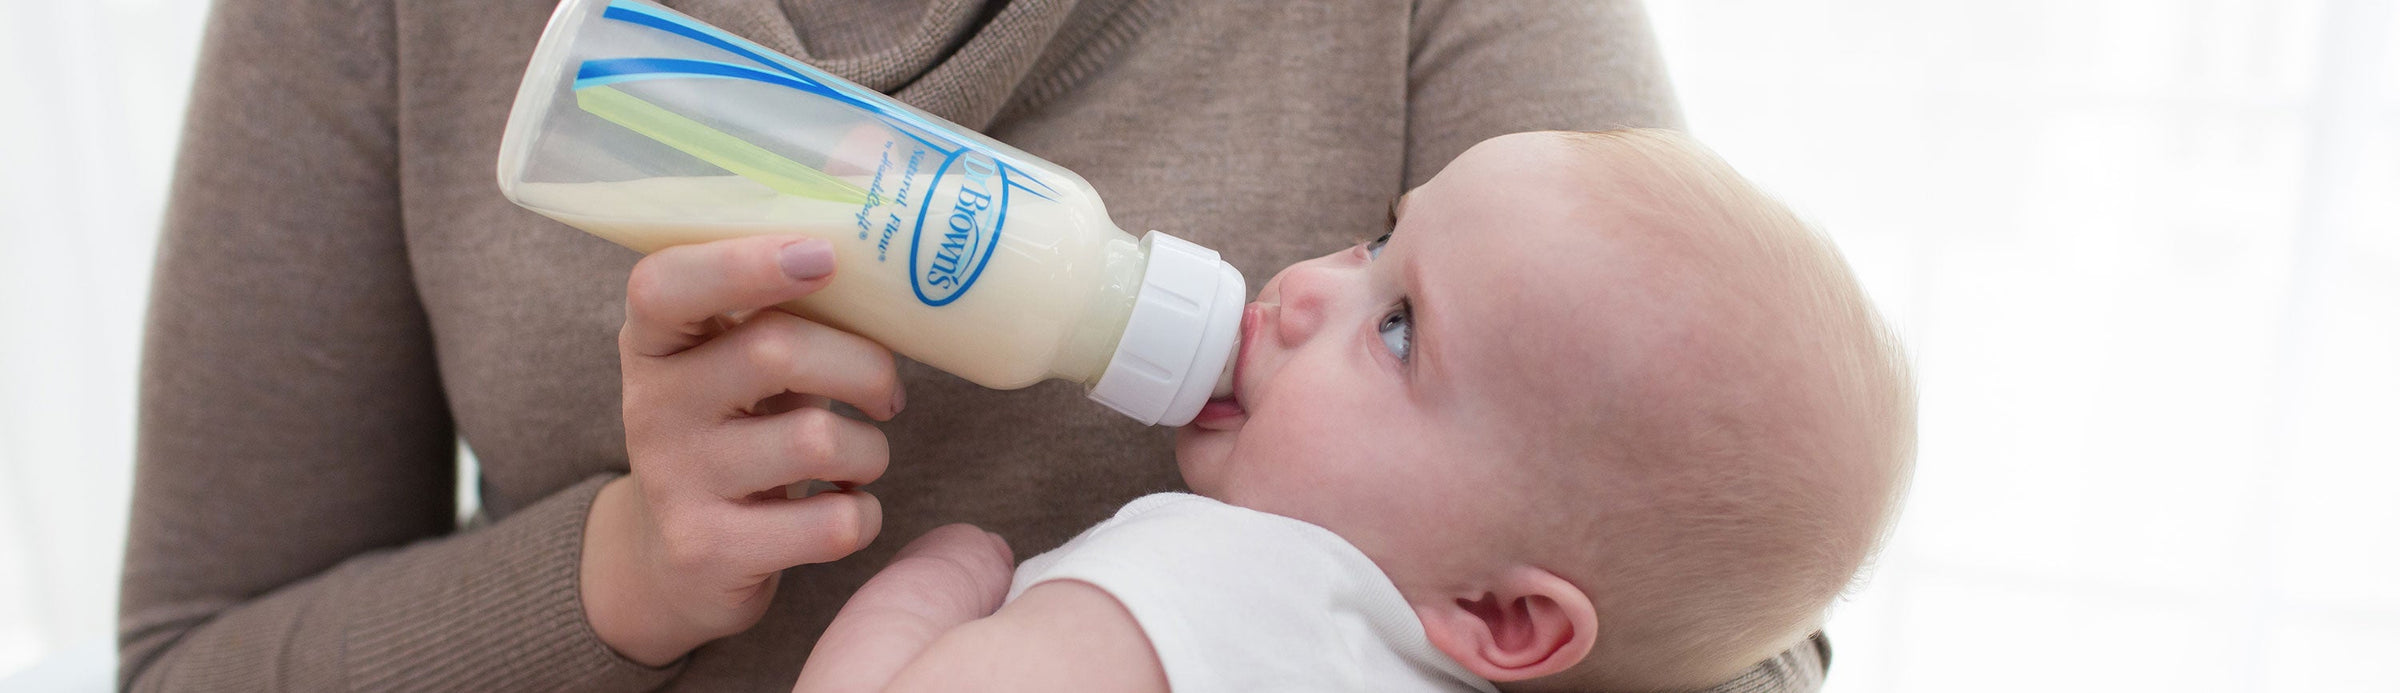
x,y
1532,319
1574,278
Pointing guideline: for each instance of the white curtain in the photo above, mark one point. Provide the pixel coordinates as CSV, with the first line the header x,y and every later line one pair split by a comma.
x,y
91,100
2146,254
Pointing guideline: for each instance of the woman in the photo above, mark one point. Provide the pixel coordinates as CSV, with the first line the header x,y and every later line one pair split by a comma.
x,y
342,295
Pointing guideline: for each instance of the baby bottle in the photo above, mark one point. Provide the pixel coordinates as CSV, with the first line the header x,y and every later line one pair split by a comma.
x,y
651,129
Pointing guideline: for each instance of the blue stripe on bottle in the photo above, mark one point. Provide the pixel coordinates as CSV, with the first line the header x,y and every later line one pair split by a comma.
x,y
594,73
788,73
606,71
643,15
635,13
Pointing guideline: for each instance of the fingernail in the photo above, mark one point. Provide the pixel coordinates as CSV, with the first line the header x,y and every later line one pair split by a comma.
x,y
899,399
807,259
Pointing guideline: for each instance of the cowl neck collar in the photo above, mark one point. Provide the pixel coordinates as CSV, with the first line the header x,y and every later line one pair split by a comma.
x,y
970,61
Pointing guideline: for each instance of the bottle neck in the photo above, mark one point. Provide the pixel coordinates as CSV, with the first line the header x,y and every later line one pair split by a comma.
x,y
1087,350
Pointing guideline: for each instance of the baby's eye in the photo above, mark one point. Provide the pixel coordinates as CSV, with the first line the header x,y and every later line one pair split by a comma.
x,y
1395,330
1375,247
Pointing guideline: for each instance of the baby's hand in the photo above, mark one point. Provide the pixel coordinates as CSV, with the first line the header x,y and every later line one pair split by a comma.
x,y
959,569
952,575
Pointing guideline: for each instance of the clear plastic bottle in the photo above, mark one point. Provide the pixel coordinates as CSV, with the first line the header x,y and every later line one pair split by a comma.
x,y
651,129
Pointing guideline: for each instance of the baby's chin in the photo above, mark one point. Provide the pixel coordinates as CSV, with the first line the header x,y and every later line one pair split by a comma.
x,y
1200,455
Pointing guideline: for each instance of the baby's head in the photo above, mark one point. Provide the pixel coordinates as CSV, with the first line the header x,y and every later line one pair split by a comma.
x,y
1608,416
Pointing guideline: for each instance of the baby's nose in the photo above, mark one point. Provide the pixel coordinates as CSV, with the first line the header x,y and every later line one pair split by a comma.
x,y
1306,294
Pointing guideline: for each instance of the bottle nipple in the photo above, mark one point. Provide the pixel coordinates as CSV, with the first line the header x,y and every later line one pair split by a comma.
x,y
1225,379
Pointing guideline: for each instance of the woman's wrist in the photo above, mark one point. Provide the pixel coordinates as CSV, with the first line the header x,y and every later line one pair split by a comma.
x,y
618,597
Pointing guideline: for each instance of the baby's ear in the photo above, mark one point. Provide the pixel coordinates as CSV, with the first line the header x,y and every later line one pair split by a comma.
x,y
1529,624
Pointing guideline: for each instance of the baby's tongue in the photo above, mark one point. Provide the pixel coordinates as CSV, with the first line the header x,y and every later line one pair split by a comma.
x,y
1219,408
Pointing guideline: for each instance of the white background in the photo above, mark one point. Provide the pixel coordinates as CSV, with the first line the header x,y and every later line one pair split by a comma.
x,y
2146,254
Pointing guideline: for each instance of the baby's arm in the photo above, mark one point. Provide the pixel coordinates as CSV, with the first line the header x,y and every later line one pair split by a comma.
x,y
927,623
952,575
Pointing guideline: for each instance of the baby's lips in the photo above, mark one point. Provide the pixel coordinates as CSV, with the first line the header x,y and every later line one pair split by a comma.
x,y
1225,411
1254,317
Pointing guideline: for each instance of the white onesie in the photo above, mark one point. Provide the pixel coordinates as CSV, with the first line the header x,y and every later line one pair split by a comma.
x,y
1237,600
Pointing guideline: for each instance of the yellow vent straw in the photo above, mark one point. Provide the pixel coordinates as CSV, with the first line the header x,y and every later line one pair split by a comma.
x,y
714,146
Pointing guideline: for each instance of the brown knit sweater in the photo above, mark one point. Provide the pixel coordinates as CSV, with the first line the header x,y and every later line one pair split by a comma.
x,y
342,295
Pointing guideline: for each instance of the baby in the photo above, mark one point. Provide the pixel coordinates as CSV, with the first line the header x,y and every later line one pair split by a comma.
x,y
1597,416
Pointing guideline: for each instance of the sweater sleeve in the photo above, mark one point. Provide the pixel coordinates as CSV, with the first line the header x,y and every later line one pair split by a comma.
x,y
292,523
1479,69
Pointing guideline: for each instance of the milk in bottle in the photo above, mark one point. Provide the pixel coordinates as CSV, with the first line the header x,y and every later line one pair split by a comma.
x,y
651,129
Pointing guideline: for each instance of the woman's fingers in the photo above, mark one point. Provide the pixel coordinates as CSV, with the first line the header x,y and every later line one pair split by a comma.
x,y
818,529
674,297
776,352
804,444
724,407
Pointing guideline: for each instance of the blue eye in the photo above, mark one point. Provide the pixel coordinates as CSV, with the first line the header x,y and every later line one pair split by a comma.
x,y
1395,330
1375,247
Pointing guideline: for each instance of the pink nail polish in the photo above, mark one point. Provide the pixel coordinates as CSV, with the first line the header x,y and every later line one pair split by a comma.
x,y
807,259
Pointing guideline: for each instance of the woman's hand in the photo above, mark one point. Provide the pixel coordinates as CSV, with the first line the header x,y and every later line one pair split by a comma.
x,y
724,409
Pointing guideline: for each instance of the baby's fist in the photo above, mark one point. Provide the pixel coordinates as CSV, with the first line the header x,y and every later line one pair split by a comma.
x,y
958,559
